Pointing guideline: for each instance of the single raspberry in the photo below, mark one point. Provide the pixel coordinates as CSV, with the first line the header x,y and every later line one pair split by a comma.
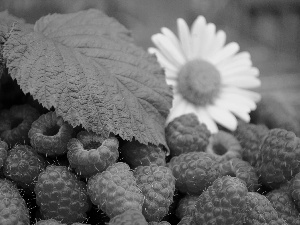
x,y
15,124
275,112
136,154
23,165
242,170
187,220
157,184
115,190
186,206
186,134
3,152
260,211
194,171
129,217
250,137
50,222
294,189
61,196
224,146
90,153
224,202
49,134
159,223
283,203
13,209
279,157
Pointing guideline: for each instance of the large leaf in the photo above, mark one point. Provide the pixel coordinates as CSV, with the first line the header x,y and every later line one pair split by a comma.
x,y
86,66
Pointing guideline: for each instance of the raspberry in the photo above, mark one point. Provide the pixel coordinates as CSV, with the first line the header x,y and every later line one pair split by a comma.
x,y
294,189
250,137
224,202
185,134
13,209
129,217
186,206
23,165
90,153
242,170
137,154
3,152
61,196
187,220
194,171
224,146
50,222
260,211
283,203
15,124
279,158
49,134
115,190
159,223
157,184
276,113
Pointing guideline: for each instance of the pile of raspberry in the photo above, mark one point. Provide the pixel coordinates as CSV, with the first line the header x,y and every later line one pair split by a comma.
x,y
60,175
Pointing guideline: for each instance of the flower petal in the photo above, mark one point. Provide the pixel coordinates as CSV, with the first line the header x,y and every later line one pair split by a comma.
x,y
172,37
185,37
205,118
240,59
197,30
241,81
226,52
256,97
178,108
164,62
239,110
168,49
241,71
239,99
222,116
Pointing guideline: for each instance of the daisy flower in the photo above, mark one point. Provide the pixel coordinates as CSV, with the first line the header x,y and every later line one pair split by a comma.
x,y
209,77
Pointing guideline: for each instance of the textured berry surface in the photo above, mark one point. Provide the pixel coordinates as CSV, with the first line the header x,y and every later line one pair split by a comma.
x,y
282,202
159,223
157,184
279,157
275,112
224,202
49,222
129,217
250,137
89,153
187,220
13,209
3,152
61,196
194,171
186,134
294,189
224,146
260,211
242,170
23,165
15,124
115,190
186,206
137,154
49,134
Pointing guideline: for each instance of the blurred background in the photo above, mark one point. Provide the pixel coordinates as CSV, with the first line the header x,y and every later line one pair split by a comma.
x,y
268,29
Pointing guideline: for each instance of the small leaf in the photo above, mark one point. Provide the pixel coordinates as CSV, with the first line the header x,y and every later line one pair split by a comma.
x,y
86,66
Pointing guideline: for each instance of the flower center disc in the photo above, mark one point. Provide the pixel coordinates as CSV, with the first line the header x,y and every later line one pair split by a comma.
x,y
199,82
